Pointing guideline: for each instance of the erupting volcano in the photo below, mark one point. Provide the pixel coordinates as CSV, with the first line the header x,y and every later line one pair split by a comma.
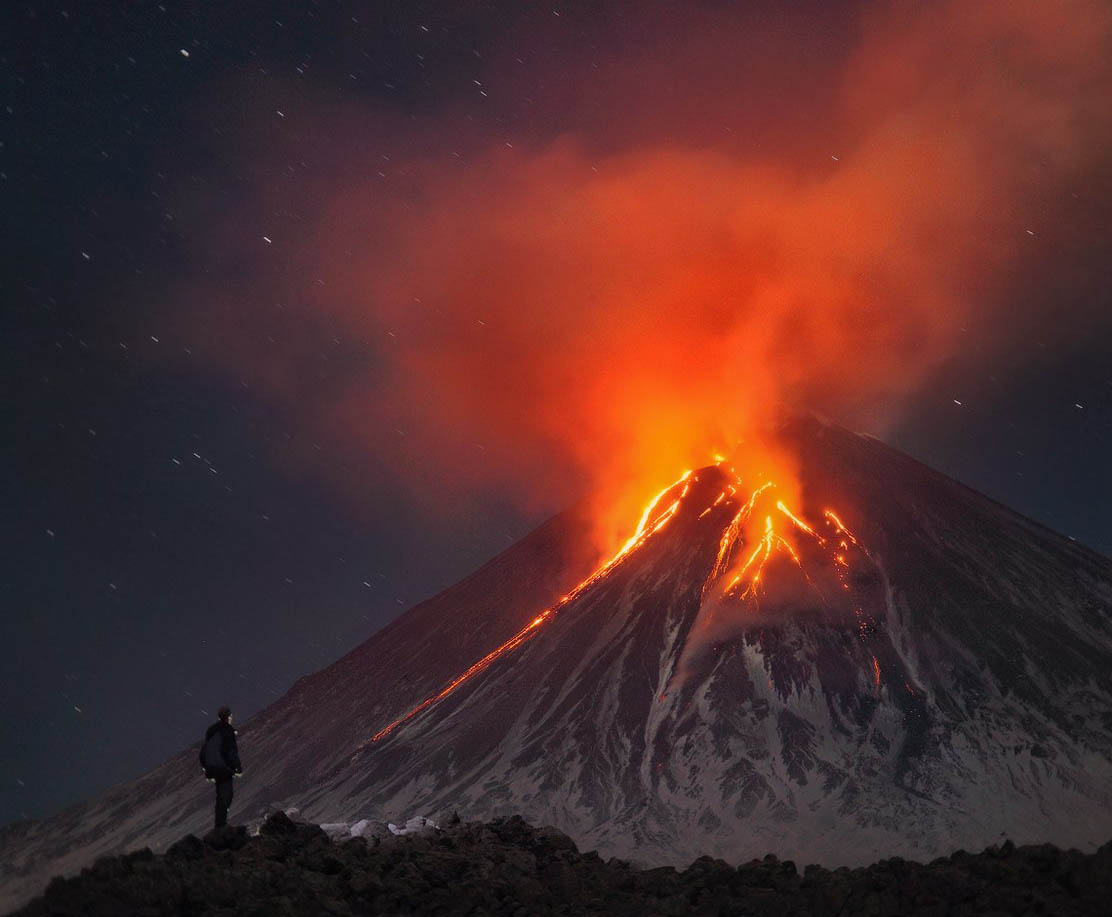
x,y
866,660
744,586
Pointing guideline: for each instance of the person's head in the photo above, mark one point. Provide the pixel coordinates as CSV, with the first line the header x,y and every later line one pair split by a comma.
x,y
225,714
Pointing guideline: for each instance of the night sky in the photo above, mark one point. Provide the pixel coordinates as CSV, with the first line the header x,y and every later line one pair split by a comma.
x,y
311,308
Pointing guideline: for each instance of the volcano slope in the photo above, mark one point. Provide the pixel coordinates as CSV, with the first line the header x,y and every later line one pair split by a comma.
x,y
894,666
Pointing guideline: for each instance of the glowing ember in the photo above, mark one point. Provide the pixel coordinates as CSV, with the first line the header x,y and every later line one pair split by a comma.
x,y
833,519
846,539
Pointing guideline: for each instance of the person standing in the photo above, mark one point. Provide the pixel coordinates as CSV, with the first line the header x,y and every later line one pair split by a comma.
x,y
220,761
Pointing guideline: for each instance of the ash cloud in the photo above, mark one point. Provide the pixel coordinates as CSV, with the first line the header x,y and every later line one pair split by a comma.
x,y
632,251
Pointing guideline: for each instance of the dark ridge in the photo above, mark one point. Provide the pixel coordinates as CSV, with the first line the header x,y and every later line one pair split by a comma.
x,y
509,867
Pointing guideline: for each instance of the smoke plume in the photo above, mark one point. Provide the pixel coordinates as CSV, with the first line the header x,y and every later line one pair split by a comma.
x,y
619,260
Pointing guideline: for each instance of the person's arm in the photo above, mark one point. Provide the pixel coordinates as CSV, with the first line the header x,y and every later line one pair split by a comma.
x,y
232,753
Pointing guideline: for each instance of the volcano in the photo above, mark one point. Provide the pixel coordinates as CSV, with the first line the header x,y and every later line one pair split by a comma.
x,y
887,664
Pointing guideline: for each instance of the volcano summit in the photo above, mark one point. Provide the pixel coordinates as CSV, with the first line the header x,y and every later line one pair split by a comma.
x,y
889,664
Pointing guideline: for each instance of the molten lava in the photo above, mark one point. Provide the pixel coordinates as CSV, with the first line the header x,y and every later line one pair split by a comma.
x,y
770,542
649,525
745,580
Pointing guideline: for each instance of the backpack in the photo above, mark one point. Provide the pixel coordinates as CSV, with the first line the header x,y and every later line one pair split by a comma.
x,y
212,753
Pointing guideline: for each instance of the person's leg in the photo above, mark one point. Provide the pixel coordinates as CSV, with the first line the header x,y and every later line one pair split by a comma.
x,y
223,800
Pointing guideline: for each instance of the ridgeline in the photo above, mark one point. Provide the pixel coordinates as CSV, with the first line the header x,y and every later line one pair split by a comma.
x,y
509,867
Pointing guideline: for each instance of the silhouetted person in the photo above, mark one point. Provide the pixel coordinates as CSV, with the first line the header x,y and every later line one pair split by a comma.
x,y
220,760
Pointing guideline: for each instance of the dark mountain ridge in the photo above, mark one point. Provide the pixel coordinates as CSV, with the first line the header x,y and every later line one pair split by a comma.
x,y
508,867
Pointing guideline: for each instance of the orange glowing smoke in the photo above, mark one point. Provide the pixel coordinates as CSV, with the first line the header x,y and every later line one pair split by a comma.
x,y
581,284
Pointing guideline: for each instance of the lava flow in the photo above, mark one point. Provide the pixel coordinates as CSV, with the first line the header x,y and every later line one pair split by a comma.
x,y
649,525
746,580
744,583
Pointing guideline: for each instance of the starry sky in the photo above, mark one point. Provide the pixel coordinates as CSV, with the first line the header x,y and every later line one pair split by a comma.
x,y
311,308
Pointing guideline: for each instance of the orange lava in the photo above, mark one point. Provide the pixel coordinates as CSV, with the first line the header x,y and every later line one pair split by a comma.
x,y
799,522
744,584
649,525
770,542
846,538
515,641
733,530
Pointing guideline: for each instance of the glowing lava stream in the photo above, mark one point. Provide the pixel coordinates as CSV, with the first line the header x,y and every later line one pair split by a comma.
x,y
769,542
651,523
645,530
746,582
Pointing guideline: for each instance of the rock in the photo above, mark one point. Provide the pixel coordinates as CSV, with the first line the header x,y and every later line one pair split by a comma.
x,y
323,861
227,838
273,907
336,830
554,839
279,824
510,867
512,830
189,847
108,868
520,861
364,883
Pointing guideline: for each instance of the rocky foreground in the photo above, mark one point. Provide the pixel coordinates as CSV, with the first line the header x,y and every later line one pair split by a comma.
x,y
510,867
